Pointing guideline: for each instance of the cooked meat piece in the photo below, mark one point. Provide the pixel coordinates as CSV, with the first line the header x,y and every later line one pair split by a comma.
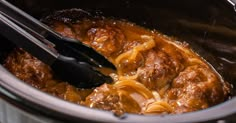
x,y
129,67
109,98
106,40
160,69
64,29
39,75
28,68
64,91
197,87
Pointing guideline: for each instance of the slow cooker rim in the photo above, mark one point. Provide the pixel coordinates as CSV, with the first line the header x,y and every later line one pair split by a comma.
x,y
20,89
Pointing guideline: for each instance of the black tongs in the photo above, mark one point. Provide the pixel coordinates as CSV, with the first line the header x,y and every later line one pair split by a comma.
x,y
33,36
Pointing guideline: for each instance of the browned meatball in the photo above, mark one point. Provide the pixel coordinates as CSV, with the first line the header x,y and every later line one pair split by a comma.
x,y
39,75
160,69
108,97
65,91
106,40
28,68
64,29
197,87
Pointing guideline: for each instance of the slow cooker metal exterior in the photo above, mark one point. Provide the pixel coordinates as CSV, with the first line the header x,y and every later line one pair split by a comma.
x,y
207,25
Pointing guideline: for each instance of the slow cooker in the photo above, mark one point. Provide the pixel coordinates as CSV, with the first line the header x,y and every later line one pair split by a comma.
x,y
207,25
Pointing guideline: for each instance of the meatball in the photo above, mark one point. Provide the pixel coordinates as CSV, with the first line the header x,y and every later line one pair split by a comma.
x,y
107,97
39,75
159,69
197,87
64,29
107,40
28,68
